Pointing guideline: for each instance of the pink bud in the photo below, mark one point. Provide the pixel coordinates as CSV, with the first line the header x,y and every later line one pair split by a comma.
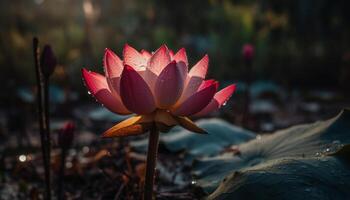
x,y
66,135
248,51
48,61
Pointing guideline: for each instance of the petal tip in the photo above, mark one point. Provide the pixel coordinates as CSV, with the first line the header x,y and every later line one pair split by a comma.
x,y
163,47
108,50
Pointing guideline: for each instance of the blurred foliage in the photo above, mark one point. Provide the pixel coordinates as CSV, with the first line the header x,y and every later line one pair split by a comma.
x,y
297,41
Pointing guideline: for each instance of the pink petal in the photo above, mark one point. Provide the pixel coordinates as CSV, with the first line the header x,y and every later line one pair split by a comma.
x,y
191,87
183,69
219,99
197,101
195,78
147,55
171,53
112,64
181,56
135,93
159,60
133,58
113,67
98,87
169,85
201,68
206,83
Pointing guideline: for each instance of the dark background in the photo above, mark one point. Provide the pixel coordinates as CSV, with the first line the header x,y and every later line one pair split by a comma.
x,y
302,47
300,73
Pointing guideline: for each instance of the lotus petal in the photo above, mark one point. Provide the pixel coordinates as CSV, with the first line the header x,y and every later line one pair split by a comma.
x,y
132,126
98,87
197,101
159,60
181,56
133,58
190,125
169,86
219,99
147,55
200,69
113,67
135,93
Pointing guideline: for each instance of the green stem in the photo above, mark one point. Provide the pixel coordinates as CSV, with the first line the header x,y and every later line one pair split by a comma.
x,y
151,163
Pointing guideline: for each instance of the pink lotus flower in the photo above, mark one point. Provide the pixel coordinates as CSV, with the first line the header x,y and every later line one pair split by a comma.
x,y
158,87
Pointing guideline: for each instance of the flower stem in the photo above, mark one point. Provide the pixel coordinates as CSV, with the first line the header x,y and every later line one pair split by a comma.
x,y
46,105
248,79
60,191
151,163
42,118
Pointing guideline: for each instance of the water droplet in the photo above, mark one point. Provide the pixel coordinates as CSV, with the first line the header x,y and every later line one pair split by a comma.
x,y
193,182
328,150
22,158
317,154
89,92
224,104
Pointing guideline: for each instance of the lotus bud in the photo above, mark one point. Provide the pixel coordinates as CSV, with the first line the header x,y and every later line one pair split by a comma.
x,y
66,135
48,61
248,52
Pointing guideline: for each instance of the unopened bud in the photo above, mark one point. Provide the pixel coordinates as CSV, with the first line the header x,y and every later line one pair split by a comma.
x,y
248,52
48,61
66,135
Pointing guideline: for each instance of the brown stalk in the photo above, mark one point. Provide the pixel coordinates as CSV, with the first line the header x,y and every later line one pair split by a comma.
x,y
43,120
151,162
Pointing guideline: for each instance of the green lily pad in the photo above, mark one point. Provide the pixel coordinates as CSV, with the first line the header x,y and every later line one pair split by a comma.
x,y
221,134
102,114
289,178
273,160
